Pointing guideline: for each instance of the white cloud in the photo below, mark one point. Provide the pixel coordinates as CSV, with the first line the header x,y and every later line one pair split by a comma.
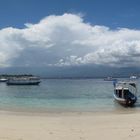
x,y
68,40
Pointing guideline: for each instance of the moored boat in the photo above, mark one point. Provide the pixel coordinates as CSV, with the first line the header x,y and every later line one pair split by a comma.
x,y
109,79
23,81
133,77
3,79
125,93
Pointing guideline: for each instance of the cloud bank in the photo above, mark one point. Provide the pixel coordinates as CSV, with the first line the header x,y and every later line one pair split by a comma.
x,y
67,40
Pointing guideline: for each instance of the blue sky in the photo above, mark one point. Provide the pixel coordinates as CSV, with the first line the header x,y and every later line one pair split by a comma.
x,y
111,13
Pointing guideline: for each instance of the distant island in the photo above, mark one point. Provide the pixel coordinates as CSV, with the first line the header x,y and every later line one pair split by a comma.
x,y
7,76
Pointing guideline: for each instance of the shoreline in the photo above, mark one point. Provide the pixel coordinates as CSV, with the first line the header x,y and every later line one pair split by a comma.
x,y
57,112
117,109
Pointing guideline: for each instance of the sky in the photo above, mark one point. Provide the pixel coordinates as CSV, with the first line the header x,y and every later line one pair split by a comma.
x,y
62,33
111,13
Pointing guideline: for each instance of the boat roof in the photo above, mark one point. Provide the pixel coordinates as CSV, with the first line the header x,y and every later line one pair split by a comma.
x,y
120,88
132,83
125,85
127,82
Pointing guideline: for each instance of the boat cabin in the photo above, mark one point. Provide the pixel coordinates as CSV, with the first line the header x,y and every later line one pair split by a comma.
x,y
121,93
125,89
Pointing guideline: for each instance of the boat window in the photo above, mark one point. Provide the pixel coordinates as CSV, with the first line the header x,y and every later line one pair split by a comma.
x,y
120,93
133,84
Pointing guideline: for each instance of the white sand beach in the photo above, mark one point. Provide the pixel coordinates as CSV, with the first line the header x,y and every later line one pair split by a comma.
x,y
70,126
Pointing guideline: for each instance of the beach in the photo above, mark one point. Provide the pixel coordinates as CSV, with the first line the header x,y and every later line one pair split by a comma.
x,y
69,126
82,109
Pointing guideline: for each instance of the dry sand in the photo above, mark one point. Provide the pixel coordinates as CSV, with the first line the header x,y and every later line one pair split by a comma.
x,y
70,126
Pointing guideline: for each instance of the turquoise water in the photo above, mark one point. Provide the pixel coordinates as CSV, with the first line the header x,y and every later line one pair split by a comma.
x,y
61,95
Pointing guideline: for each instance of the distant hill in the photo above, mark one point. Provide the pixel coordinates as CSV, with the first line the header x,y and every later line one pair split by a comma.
x,y
74,71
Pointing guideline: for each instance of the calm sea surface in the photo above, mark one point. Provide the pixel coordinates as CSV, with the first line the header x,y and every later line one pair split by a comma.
x,y
62,95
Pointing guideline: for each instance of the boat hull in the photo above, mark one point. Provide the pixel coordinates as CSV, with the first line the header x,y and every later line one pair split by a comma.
x,y
3,80
23,83
126,102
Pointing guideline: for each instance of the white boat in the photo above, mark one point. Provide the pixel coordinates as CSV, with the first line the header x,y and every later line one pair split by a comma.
x,y
23,81
3,79
109,79
133,77
125,93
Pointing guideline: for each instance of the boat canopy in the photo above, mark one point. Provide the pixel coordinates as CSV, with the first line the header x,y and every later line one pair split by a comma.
x,y
126,84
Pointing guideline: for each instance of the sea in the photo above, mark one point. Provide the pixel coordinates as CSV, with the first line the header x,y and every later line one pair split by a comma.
x,y
63,95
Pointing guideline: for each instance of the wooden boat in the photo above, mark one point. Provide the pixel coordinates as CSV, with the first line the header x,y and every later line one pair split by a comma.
x,y
23,81
125,92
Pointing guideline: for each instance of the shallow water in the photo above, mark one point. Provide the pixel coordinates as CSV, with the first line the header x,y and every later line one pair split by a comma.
x,y
62,95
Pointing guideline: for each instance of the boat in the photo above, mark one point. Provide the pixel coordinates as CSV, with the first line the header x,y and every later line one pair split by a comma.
x,y
3,79
23,81
133,77
125,92
109,79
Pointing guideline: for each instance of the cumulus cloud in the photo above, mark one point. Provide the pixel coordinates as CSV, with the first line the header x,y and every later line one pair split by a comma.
x,y
67,40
